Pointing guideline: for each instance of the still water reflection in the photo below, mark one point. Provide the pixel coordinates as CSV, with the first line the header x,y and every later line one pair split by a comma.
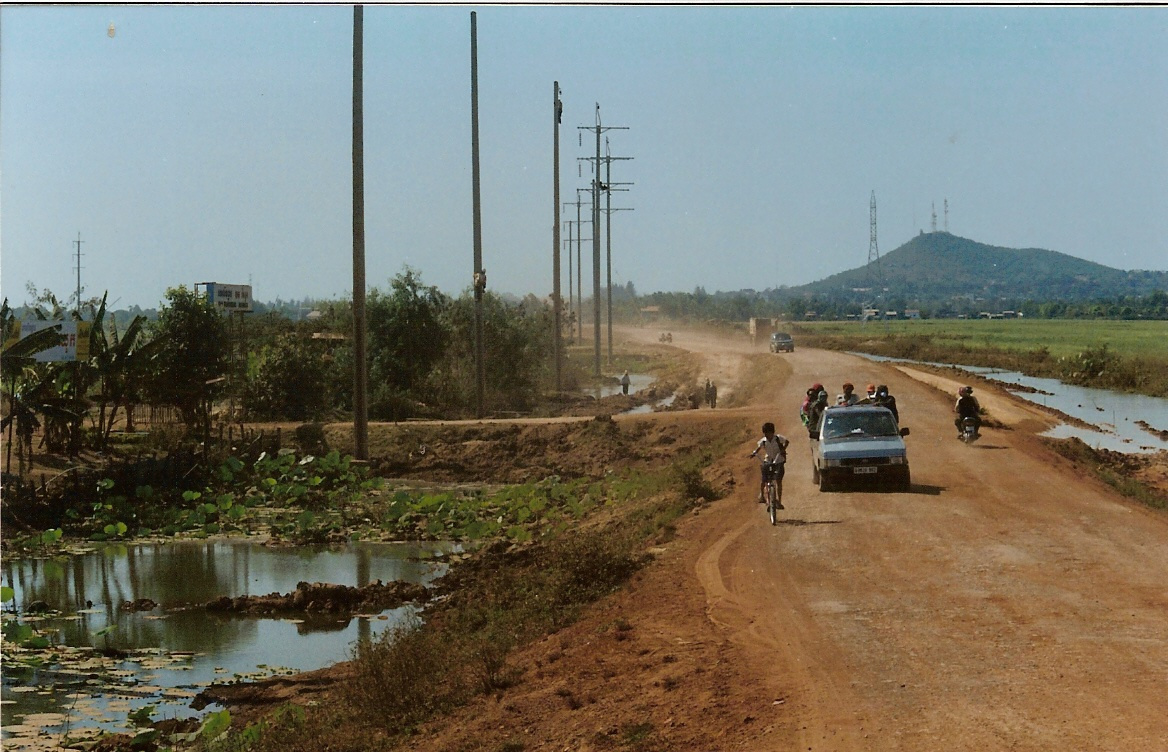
x,y
1114,417
89,591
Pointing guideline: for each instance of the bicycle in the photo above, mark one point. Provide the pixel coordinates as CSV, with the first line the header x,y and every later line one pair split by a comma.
x,y
772,490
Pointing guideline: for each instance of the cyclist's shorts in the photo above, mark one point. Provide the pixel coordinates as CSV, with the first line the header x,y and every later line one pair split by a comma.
x,y
775,472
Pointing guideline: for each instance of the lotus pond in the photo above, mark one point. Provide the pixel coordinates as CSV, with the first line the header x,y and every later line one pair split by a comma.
x,y
92,658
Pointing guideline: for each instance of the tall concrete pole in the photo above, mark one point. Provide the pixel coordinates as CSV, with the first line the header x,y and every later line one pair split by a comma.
x,y
596,250
480,279
608,240
360,379
579,272
557,110
571,321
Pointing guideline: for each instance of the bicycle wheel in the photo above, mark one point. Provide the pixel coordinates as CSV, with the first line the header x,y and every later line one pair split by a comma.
x,y
772,511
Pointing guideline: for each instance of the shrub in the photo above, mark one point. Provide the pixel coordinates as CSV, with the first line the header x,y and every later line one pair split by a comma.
x,y
403,676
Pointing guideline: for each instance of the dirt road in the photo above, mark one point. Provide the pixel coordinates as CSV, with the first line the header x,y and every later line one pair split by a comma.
x,y
1005,603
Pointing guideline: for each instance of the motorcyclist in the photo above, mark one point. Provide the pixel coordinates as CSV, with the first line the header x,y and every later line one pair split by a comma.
x,y
967,407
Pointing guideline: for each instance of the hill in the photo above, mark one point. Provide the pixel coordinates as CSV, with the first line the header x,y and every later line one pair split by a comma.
x,y
938,265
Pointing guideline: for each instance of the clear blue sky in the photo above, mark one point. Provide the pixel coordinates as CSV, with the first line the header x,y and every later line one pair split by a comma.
x,y
213,143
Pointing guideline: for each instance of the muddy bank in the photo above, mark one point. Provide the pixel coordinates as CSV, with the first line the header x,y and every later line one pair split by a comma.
x,y
322,598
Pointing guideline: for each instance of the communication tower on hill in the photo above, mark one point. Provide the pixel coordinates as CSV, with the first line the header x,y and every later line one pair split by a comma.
x,y
946,215
933,226
874,274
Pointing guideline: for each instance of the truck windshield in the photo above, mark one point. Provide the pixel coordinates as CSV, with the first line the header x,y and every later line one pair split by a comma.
x,y
859,424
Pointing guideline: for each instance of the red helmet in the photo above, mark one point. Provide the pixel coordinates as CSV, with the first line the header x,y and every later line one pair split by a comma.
x,y
871,389
816,387
849,386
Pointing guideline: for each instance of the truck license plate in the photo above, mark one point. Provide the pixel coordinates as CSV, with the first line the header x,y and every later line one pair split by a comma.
x,y
864,470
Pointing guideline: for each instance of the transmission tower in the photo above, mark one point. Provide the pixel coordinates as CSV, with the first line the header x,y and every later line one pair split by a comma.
x,y
874,271
946,215
934,225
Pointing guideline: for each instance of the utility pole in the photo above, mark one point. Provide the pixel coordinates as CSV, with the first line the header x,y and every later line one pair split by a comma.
x,y
480,274
579,268
608,189
78,243
598,128
557,112
360,378
571,322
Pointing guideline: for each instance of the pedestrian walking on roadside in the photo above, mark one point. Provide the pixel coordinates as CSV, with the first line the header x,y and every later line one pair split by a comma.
x,y
625,381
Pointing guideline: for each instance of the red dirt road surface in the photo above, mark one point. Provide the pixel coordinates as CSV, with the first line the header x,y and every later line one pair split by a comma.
x,y
1003,604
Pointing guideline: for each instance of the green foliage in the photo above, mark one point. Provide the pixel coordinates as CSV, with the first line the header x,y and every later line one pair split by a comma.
x,y
289,381
407,338
520,338
192,354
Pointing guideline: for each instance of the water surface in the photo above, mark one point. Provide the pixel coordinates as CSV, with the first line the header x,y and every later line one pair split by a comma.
x,y
89,590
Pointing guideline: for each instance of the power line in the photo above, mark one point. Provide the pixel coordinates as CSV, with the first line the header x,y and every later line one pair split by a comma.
x,y
598,129
596,188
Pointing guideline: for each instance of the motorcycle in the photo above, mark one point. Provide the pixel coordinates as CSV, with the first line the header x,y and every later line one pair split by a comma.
x,y
969,432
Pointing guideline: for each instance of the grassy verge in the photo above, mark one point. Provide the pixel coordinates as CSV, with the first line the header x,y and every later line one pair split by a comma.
x,y
1113,468
1104,355
506,596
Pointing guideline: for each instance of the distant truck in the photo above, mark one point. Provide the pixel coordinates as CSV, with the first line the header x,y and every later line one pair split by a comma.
x,y
760,329
782,342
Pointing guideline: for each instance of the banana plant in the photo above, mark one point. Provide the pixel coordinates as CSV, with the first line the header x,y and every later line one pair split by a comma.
x,y
36,392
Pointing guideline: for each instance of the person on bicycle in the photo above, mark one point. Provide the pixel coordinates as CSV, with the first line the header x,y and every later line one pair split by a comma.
x,y
774,458
967,407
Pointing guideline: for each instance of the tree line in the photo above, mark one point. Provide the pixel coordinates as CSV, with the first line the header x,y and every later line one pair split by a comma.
x,y
742,305
201,363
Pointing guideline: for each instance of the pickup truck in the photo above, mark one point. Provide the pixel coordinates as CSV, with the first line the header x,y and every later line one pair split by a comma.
x,y
859,443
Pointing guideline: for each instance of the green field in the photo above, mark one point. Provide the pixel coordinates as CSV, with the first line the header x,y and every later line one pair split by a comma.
x,y
1062,337
1128,356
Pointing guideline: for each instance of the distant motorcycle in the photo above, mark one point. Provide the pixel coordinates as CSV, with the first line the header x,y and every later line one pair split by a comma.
x,y
969,433
666,337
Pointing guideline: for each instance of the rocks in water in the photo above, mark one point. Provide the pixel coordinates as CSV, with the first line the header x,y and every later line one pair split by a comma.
x,y
141,604
324,598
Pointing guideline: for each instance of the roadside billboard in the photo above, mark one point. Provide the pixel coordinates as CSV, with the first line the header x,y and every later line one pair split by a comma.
x,y
229,297
74,340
